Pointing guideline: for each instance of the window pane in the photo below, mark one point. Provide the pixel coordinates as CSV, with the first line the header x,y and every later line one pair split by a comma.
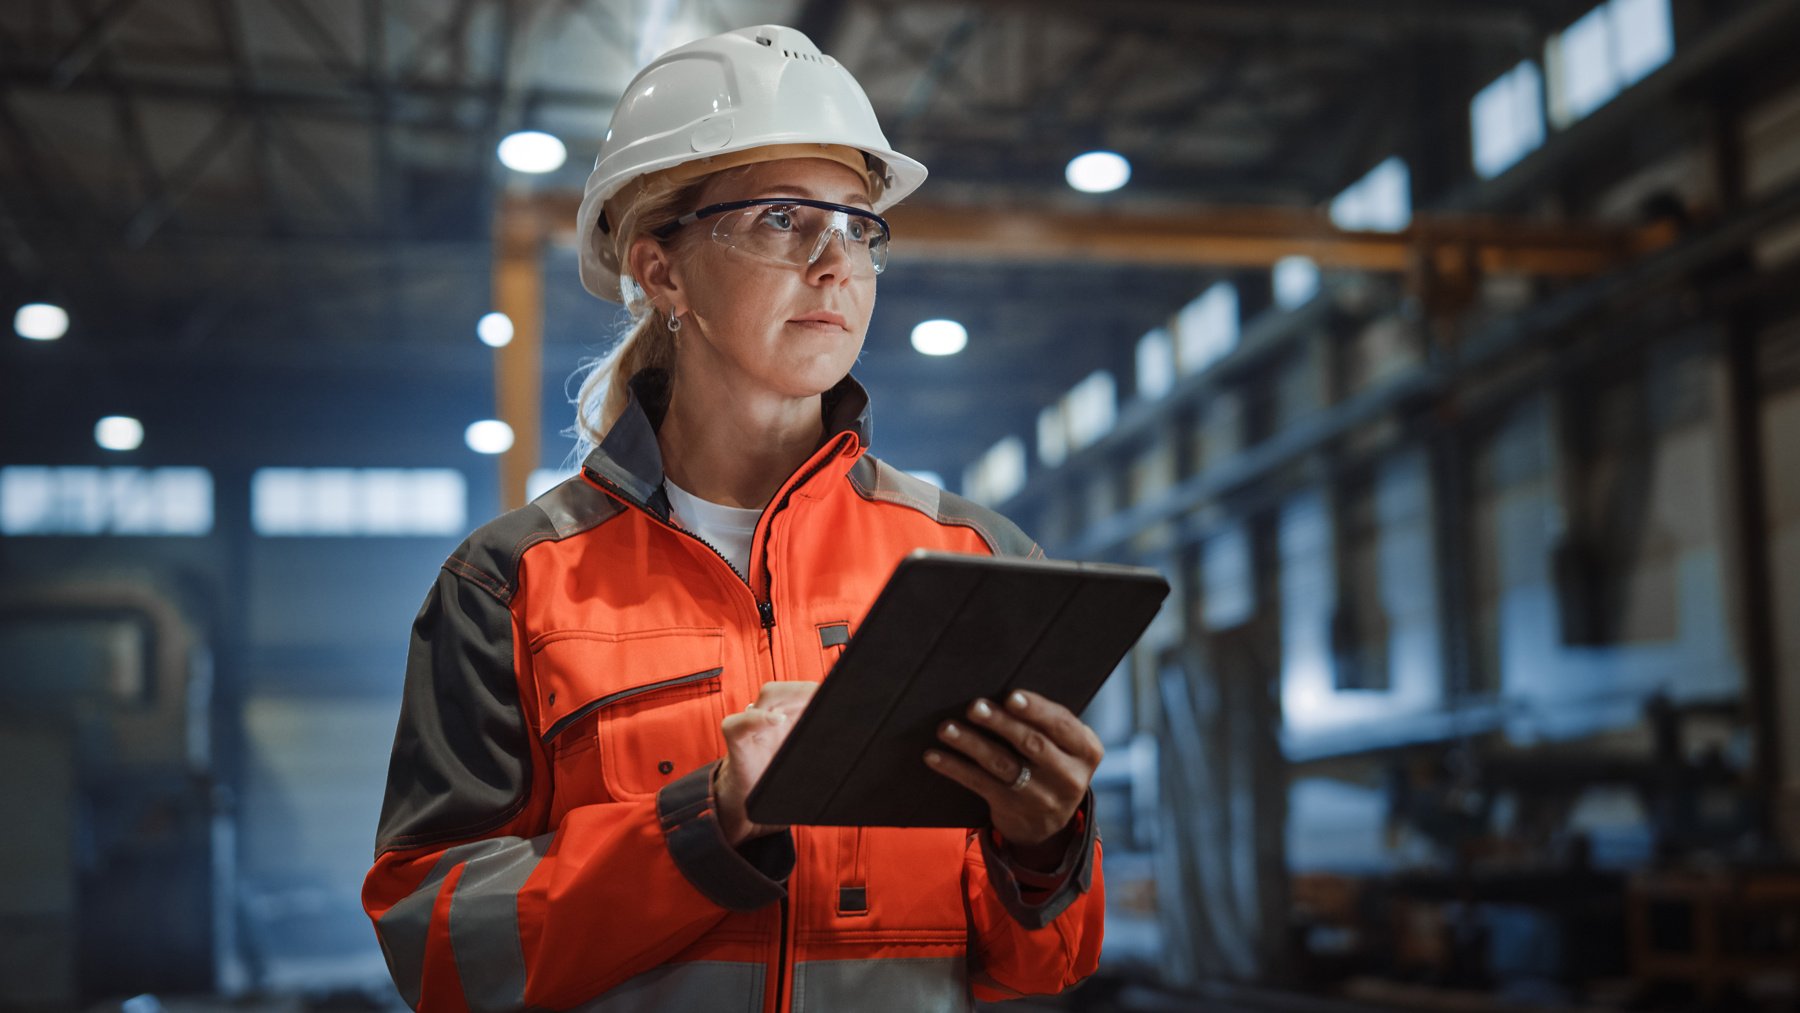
x,y
1507,119
1206,329
355,502
1584,73
1643,37
1155,364
96,501
1296,281
1381,201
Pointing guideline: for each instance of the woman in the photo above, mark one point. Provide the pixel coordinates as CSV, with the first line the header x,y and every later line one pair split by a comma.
x,y
598,679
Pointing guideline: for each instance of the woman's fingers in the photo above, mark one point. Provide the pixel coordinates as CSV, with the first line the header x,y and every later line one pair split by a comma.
x,y
752,736
1032,723
989,751
789,698
999,762
970,774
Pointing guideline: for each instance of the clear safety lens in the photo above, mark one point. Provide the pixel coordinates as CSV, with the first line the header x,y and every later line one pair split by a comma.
x,y
797,234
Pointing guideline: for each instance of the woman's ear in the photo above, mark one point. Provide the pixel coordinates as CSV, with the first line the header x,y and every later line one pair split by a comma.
x,y
653,268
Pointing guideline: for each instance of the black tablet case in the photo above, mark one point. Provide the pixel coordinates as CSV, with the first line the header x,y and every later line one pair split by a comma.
x,y
945,630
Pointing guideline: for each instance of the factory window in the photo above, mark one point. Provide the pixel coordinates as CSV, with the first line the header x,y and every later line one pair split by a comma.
x,y
105,501
1053,435
1227,579
998,474
1610,48
358,501
1381,201
1296,281
1206,329
1507,119
1155,365
1091,407
542,480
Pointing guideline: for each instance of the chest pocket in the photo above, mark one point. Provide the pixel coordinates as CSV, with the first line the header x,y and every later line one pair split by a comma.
x,y
650,701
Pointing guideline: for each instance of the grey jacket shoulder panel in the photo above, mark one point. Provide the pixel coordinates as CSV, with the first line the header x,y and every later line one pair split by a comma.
x,y
880,482
490,557
462,759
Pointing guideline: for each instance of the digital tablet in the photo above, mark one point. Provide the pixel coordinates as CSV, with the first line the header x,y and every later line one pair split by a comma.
x,y
945,630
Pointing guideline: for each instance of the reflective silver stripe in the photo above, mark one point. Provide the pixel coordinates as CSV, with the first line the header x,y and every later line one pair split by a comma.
x,y
404,928
905,985
700,985
484,923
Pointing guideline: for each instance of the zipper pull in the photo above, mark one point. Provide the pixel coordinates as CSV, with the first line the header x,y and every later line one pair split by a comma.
x,y
766,609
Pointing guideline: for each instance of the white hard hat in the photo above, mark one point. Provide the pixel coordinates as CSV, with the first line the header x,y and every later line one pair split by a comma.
x,y
763,87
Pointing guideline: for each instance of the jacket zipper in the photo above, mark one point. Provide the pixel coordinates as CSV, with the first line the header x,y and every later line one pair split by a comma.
x,y
765,613
767,608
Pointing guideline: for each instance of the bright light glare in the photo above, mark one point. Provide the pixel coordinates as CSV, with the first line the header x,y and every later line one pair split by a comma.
x,y
41,321
1098,171
119,432
495,330
1296,281
532,151
489,436
940,337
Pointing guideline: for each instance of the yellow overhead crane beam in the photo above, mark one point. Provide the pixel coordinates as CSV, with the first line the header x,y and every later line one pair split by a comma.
x,y
1441,256
1260,236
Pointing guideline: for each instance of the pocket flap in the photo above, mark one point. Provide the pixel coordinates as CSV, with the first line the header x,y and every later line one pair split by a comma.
x,y
579,671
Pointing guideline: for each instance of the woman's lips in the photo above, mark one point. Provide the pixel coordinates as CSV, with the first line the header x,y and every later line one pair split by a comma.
x,y
823,319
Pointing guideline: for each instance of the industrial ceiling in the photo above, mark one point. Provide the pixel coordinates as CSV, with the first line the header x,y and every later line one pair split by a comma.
x,y
284,187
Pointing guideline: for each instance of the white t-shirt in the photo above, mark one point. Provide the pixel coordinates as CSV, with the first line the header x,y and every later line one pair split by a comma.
x,y
727,529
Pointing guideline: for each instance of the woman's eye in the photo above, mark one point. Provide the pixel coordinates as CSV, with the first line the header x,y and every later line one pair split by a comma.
x,y
859,231
779,218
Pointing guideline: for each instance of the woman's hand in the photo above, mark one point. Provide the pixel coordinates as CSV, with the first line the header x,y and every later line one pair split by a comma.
x,y
991,754
751,738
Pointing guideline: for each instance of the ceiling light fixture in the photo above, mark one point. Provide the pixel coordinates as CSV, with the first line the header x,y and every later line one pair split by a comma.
x,y
495,330
41,321
532,151
940,337
489,436
119,432
1098,171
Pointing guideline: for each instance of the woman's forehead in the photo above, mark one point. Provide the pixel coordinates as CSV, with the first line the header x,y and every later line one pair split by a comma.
x,y
815,178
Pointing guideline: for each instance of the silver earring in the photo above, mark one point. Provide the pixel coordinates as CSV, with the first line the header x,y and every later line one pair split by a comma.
x,y
674,324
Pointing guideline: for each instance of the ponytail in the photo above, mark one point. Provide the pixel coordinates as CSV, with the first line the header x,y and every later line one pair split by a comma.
x,y
648,343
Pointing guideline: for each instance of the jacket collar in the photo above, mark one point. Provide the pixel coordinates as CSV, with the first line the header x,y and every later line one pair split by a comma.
x,y
630,458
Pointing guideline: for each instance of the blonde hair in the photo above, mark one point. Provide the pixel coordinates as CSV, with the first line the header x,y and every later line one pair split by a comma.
x,y
648,343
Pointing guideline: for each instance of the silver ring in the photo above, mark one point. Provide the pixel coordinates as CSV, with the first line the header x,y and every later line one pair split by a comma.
x,y
1023,779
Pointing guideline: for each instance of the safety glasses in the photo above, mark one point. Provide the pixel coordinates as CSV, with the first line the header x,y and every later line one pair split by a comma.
x,y
794,231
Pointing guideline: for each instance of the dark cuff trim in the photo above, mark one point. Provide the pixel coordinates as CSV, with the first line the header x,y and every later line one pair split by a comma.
x,y
1073,875
736,880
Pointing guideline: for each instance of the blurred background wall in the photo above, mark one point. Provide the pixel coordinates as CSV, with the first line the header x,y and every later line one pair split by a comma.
x,y
1445,356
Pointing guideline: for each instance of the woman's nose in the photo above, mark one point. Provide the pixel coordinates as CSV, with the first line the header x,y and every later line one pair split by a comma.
x,y
831,259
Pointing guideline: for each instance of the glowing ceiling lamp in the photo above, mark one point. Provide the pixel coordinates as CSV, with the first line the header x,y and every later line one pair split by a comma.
x,y
41,321
495,330
940,337
119,432
532,151
1098,171
489,436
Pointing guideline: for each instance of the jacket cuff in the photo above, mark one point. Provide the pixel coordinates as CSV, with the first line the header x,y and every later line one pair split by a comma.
x,y
1034,898
738,880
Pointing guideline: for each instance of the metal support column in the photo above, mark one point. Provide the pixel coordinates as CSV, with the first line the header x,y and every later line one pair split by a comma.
x,y
519,365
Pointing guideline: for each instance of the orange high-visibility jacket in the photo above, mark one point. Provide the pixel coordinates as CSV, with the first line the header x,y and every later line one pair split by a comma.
x,y
548,838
